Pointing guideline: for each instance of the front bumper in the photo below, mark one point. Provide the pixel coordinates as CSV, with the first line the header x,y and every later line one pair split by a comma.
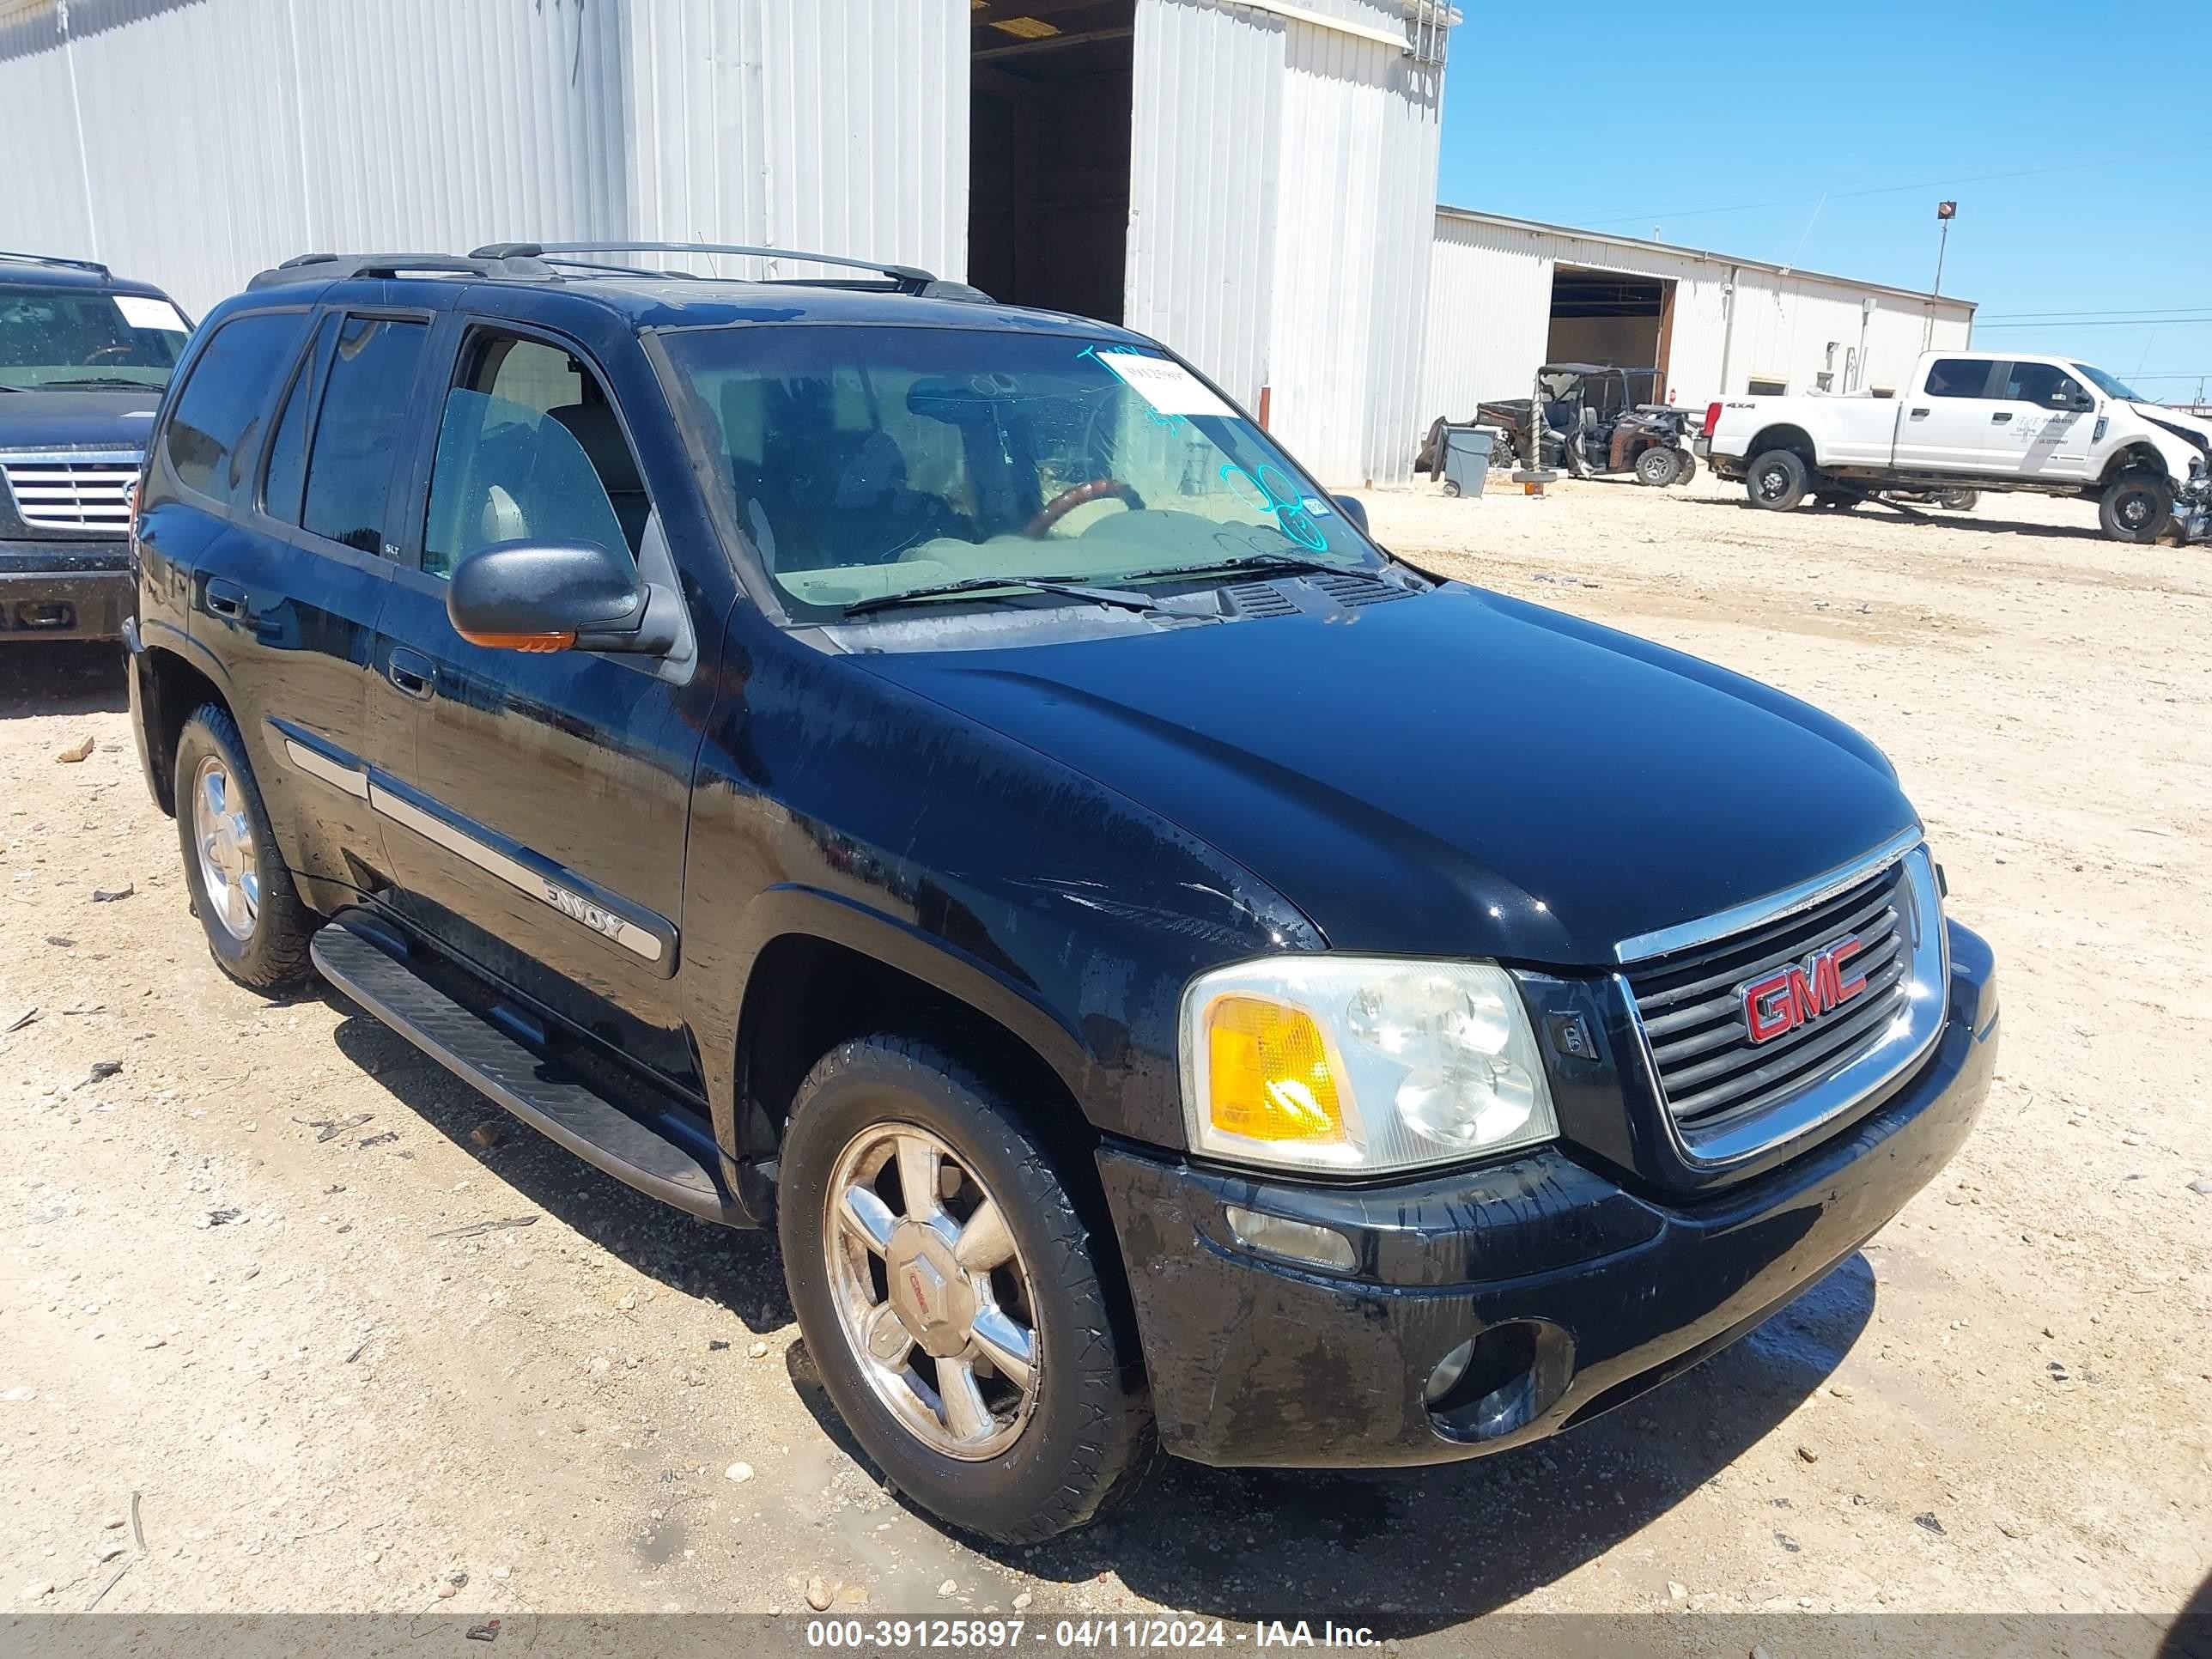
x,y
64,590
1577,1294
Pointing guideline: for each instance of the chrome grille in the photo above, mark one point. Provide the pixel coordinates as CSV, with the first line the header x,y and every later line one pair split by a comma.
x,y
72,490
1722,1089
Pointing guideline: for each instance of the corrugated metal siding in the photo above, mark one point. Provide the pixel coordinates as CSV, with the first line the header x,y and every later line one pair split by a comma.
x,y
1201,268
1489,317
837,125
222,136
1283,178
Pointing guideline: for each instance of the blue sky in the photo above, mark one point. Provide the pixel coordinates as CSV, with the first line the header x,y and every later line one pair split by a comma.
x,y
1722,127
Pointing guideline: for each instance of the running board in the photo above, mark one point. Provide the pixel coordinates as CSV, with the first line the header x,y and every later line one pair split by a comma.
x,y
479,1053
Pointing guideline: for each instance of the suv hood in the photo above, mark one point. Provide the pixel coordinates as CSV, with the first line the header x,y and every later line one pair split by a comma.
x,y
1452,773
103,419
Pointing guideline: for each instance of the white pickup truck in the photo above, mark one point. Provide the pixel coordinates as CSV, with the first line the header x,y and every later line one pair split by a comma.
x,y
1977,420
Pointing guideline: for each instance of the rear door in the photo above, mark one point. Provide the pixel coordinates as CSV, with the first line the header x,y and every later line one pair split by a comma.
x,y
1947,425
2037,430
538,803
284,622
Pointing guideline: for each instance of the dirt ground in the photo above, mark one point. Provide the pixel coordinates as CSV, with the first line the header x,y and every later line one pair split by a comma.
x,y
246,1318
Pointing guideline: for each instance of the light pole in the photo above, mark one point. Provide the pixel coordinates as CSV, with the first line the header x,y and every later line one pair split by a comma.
x,y
1945,212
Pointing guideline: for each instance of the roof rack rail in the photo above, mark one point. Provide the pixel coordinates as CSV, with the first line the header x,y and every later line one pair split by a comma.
x,y
91,265
910,279
342,267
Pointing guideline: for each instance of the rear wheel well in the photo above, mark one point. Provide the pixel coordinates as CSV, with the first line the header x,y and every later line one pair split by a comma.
x,y
175,690
806,995
1795,439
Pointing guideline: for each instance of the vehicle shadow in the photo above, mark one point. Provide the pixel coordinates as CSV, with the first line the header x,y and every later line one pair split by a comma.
x,y
741,1270
67,676
1937,517
2189,1636
1414,1551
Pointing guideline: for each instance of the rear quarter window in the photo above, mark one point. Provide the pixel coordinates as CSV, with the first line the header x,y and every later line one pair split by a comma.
x,y
1959,377
213,432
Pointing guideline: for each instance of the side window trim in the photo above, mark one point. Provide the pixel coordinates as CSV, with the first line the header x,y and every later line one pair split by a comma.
x,y
467,329
307,378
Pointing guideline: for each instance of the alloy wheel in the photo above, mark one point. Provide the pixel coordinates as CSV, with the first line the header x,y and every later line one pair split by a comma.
x,y
932,1293
224,835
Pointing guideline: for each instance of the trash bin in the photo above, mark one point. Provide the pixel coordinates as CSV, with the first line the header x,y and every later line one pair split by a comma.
x,y
1467,459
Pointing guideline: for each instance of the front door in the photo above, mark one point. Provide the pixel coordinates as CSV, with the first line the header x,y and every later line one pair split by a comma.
x,y
1946,425
2039,433
537,805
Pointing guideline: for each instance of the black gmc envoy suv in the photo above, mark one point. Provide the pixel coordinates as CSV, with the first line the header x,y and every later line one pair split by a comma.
x,y
83,357
939,779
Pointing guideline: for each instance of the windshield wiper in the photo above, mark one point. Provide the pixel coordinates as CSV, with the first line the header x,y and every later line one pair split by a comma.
x,y
1273,564
104,380
1023,584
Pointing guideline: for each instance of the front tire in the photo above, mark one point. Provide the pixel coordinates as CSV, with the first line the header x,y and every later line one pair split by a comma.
x,y
2135,508
1777,480
256,927
1658,466
960,1311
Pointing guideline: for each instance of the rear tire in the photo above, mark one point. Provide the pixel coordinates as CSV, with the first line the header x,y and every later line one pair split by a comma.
x,y
256,927
1689,467
1658,466
1777,480
1958,501
1010,1457
2135,508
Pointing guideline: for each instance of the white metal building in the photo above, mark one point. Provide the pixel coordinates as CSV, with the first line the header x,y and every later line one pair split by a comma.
x,y
1506,296
1252,181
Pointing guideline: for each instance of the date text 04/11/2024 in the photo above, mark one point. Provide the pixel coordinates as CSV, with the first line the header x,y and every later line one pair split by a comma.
x,y
1007,1635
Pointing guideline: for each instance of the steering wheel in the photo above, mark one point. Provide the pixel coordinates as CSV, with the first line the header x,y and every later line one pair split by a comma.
x,y
1083,494
111,354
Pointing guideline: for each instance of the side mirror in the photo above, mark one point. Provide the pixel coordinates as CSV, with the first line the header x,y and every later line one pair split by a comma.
x,y
558,596
1354,509
2081,403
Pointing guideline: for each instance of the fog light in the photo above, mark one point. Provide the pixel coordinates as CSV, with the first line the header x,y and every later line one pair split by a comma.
x,y
1449,1370
1299,1241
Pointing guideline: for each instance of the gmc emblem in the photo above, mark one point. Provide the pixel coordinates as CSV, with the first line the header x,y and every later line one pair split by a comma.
x,y
1800,993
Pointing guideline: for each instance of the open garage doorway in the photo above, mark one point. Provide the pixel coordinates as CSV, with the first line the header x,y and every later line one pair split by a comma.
x,y
1051,88
1611,317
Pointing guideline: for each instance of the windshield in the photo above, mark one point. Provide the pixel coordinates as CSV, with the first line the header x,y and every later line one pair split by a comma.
x,y
864,462
2105,384
83,337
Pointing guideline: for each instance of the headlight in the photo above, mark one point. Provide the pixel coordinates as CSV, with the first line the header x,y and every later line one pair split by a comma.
x,y
1360,1064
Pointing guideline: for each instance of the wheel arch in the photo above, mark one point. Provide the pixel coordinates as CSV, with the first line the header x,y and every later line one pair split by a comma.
x,y
2140,456
830,972
1782,435
170,688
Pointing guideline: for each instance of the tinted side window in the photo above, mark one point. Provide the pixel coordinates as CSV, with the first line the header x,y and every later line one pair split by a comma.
x,y
1958,377
287,448
364,416
210,440
528,448
2041,383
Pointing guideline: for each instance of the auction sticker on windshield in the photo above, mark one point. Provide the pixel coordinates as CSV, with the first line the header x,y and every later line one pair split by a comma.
x,y
1168,386
141,311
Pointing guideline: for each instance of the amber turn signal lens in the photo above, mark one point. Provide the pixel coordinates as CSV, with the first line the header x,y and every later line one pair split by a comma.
x,y
534,643
1269,1073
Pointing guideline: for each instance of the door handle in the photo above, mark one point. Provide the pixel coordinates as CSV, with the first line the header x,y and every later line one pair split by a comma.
x,y
226,599
2001,418
412,672
1919,414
